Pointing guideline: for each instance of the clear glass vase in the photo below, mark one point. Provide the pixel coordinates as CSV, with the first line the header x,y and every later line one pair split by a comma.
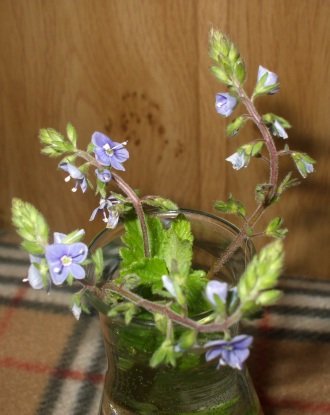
x,y
194,386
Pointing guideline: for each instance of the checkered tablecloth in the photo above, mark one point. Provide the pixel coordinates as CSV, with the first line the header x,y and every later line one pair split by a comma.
x,y
50,364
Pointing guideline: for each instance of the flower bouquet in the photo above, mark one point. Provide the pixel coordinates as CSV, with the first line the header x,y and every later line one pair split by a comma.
x,y
171,285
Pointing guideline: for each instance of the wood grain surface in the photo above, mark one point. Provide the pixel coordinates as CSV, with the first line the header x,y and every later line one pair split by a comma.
x,y
138,70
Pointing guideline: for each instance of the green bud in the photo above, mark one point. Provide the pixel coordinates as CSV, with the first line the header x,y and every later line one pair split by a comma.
x,y
232,206
72,134
161,322
219,45
268,297
54,143
31,226
274,228
240,71
221,75
234,127
303,162
270,118
262,191
286,183
188,339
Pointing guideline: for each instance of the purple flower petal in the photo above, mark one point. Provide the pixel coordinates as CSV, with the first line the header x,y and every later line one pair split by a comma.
x,y
100,139
102,157
77,271
242,341
116,164
121,154
225,104
271,79
103,175
58,277
55,252
34,278
78,252
213,354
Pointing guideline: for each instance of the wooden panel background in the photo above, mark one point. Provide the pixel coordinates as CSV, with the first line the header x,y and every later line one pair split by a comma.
x,y
138,70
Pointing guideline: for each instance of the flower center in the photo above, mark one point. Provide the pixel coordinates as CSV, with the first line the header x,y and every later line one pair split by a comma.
x,y
66,260
108,149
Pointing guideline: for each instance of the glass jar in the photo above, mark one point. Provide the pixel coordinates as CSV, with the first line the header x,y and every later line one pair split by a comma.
x,y
194,386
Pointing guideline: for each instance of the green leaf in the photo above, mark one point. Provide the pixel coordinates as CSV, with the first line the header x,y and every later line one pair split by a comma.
x,y
75,236
54,143
232,206
164,355
194,291
97,258
187,339
286,184
274,228
270,118
149,271
160,203
72,134
31,226
234,127
177,247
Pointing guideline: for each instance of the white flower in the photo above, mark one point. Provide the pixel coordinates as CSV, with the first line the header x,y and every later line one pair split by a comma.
x,y
238,160
278,130
169,285
76,311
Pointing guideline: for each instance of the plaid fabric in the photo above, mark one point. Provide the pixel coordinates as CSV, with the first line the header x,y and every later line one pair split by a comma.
x,y
50,364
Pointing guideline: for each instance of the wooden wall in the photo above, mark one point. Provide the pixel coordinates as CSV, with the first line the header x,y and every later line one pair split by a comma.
x,y
138,70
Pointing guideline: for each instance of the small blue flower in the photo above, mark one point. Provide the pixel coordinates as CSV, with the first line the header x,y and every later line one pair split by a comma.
x,y
238,160
108,152
271,79
103,175
232,353
278,130
110,213
34,276
75,174
216,290
225,104
64,259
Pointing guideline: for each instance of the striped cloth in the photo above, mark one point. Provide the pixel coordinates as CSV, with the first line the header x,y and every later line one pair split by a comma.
x,y
50,364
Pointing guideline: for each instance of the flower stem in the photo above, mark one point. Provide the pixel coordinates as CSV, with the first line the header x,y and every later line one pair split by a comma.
x,y
138,209
169,313
131,195
273,179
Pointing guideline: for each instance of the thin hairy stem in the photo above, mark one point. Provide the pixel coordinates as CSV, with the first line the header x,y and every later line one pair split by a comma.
x,y
273,180
130,194
155,308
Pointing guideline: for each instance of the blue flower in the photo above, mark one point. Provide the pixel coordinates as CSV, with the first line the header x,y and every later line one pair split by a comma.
x,y
108,152
34,276
278,130
216,290
110,213
238,160
75,174
225,104
232,353
64,259
271,79
103,175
